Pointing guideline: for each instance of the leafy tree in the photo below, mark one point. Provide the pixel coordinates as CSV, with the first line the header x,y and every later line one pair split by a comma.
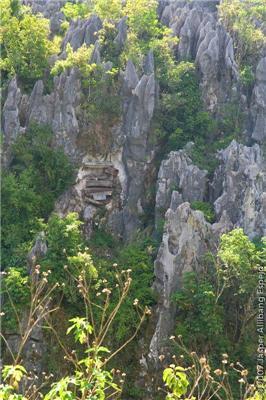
x,y
66,253
142,19
222,299
180,116
15,292
200,319
25,44
79,59
90,377
75,10
36,165
108,10
245,21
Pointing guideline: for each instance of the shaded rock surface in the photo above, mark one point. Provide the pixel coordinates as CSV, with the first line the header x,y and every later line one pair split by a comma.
x,y
82,32
239,187
205,40
177,173
258,107
10,119
186,238
50,9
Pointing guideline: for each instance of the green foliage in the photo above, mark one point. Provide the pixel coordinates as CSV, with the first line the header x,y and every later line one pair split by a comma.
x,y
100,88
15,373
50,167
138,258
145,32
247,76
239,259
81,329
79,59
142,19
200,318
20,209
227,127
16,292
245,20
109,49
36,165
180,116
103,101
217,308
12,376
206,208
75,10
108,10
25,44
176,381
66,253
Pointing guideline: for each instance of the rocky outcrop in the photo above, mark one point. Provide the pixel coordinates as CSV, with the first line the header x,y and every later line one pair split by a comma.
x,y
238,194
50,9
203,39
128,139
38,251
186,238
10,119
57,110
177,173
239,188
138,107
258,107
82,32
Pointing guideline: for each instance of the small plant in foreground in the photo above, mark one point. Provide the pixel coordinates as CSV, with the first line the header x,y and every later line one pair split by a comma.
x,y
190,376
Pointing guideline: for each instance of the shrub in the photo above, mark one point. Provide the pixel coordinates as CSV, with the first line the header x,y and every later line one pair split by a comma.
x,y
245,21
25,44
180,116
79,59
75,10
108,10
36,165
66,253
16,294
217,308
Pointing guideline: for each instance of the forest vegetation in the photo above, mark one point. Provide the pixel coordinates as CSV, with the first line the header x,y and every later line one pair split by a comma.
x,y
93,296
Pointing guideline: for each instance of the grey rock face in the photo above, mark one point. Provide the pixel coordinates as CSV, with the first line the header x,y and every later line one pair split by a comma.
x,y
38,251
10,118
239,188
204,39
187,237
82,32
258,108
50,9
138,108
121,37
177,172
57,110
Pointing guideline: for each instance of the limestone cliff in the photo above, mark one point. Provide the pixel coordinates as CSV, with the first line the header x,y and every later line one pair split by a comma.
x,y
115,177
